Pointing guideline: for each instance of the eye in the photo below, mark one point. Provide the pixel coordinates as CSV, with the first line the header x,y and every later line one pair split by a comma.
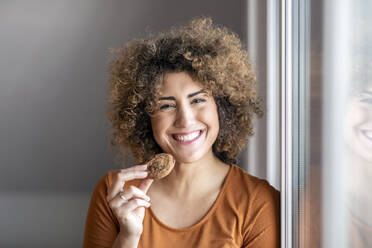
x,y
367,100
167,106
198,100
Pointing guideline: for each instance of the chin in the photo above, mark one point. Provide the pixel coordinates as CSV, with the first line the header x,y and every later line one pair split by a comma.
x,y
188,158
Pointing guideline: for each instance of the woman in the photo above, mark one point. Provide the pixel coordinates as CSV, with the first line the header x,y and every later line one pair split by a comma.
x,y
189,92
358,130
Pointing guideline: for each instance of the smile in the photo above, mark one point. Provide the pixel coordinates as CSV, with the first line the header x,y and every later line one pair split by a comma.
x,y
188,138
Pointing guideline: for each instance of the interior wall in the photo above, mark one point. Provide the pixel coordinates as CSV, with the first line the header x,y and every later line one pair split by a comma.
x,y
54,142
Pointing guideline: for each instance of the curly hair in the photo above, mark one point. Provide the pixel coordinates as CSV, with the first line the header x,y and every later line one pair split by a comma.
x,y
211,55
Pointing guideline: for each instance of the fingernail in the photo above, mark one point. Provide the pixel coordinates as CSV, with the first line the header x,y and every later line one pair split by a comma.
x,y
143,173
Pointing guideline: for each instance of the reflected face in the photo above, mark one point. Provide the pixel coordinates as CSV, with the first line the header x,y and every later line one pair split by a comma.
x,y
186,121
359,124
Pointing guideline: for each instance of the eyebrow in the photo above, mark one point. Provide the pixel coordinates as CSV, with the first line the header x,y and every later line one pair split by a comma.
x,y
188,96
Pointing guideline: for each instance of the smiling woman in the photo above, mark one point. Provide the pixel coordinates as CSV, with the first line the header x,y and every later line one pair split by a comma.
x,y
189,92
186,123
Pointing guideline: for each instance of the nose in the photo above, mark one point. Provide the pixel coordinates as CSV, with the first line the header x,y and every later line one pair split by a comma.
x,y
185,117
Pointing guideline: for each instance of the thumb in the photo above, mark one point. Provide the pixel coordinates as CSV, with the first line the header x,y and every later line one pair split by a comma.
x,y
145,185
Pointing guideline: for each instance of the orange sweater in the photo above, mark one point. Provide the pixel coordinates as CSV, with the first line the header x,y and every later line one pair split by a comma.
x,y
245,214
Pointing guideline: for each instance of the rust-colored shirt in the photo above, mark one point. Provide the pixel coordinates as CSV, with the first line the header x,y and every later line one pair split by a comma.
x,y
245,214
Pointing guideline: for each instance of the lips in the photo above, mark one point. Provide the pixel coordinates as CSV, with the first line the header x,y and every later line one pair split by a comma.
x,y
187,137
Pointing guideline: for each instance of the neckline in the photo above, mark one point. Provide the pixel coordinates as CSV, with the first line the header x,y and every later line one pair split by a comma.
x,y
206,216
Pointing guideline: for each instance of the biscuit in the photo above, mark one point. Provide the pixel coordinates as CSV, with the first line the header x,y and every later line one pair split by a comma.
x,y
160,165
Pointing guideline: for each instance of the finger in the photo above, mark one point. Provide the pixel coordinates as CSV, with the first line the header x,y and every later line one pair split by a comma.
x,y
117,201
145,185
135,203
134,192
138,167
125,196
121,177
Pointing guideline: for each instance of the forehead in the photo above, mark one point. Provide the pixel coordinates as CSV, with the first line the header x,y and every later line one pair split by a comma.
x,y
179,83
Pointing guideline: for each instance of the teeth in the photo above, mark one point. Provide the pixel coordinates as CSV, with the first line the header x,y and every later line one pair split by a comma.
x,y
186,138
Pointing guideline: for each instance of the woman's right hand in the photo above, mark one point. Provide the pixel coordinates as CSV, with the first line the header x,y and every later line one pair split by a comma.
x,y
129,205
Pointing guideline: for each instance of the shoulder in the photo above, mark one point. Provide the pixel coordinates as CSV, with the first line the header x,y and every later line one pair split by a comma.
x,y
250,184
253,195
261,209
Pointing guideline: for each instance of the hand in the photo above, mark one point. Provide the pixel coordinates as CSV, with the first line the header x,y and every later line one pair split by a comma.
x,y
129,205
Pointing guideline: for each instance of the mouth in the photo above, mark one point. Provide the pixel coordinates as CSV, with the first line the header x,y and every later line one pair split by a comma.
x,y
188,138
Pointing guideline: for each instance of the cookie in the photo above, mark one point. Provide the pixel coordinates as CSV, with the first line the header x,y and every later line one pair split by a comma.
x,y
160,166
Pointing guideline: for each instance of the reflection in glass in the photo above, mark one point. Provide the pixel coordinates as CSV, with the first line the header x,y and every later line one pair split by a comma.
x,y
337,200
358,129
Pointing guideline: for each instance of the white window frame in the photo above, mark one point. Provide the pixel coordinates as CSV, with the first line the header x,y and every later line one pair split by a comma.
x,y
294,52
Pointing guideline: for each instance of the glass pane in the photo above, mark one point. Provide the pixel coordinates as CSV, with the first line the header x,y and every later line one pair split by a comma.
x,y
335,206
358,128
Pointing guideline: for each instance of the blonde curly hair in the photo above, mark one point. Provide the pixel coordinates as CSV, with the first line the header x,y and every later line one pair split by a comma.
x,y
211,55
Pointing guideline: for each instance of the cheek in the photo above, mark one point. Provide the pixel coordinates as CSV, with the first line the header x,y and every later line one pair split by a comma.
x,y
211,117
159,126
359,116
353,116
156,127
216,121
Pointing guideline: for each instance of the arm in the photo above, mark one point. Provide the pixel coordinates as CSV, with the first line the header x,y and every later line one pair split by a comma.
x,y
116,213
122,241
101,227
262,226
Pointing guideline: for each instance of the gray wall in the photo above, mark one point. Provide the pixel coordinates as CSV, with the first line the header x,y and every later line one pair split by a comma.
x,y
54,138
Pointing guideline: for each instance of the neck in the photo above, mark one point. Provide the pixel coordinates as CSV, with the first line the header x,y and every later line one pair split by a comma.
x,y
188,179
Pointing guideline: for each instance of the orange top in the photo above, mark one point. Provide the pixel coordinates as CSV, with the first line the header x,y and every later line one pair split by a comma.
x,y
245,214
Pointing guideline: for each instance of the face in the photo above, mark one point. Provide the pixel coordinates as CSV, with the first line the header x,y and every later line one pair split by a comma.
x,y
186,121
359,124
